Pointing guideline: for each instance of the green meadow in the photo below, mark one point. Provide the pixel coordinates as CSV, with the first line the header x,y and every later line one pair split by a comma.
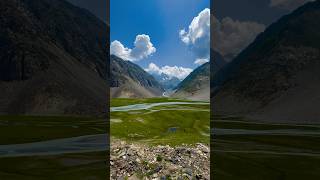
x,y
26,129
267,151
29,129
172,124
65,166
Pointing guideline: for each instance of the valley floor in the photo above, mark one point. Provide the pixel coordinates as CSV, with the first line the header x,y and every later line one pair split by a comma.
x,y
249,151
159,138
62,166
52,147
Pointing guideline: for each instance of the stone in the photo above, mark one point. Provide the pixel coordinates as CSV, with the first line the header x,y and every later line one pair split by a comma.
x,y
181,162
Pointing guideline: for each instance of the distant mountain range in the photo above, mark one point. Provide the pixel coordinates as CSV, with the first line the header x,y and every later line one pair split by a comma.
x,y
130,80
52,59
167,82
277,77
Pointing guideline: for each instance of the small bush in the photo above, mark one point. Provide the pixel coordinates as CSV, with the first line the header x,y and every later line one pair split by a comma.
x,y
159,158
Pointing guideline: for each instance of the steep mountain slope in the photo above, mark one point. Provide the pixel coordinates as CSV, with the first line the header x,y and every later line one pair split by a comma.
x,y
218,61
52,59
196,86
277,77
130,80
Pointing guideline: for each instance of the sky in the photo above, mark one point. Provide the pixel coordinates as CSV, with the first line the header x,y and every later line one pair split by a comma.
x,y
155,26
150,32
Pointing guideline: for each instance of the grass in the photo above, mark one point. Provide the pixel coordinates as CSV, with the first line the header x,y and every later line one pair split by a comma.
x,y
167,124
25,129
240,123
274,142
67,166
159,158
244,166
265,157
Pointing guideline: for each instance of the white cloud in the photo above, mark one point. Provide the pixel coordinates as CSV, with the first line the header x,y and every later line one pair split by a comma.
x,y
142,49
201,61
288,4
197,37
171,71
119,50
230,36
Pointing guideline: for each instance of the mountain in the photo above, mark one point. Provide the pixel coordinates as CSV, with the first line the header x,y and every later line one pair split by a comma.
x,y
168,83
196,85
130,80
52,59
218,61
276,78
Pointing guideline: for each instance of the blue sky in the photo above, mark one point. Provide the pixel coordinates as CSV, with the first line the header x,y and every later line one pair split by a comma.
x,y
233,26
162,20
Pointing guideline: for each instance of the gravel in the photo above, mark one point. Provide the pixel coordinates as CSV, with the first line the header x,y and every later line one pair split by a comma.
x,y
139,161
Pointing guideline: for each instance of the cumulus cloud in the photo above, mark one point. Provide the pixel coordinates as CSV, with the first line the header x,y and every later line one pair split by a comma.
x,y
171,71
230,36
201,61
197,36
288,4
142,49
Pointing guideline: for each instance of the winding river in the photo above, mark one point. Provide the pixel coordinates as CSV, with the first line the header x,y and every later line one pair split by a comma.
x,y
147,106
81,144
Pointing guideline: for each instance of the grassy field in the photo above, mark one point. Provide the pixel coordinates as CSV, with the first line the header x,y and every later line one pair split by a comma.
x,y
252,156
67,166
165,124
253,166
25,129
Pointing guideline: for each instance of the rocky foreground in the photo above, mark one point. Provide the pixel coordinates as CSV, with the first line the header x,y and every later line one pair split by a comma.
x,y
136,161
